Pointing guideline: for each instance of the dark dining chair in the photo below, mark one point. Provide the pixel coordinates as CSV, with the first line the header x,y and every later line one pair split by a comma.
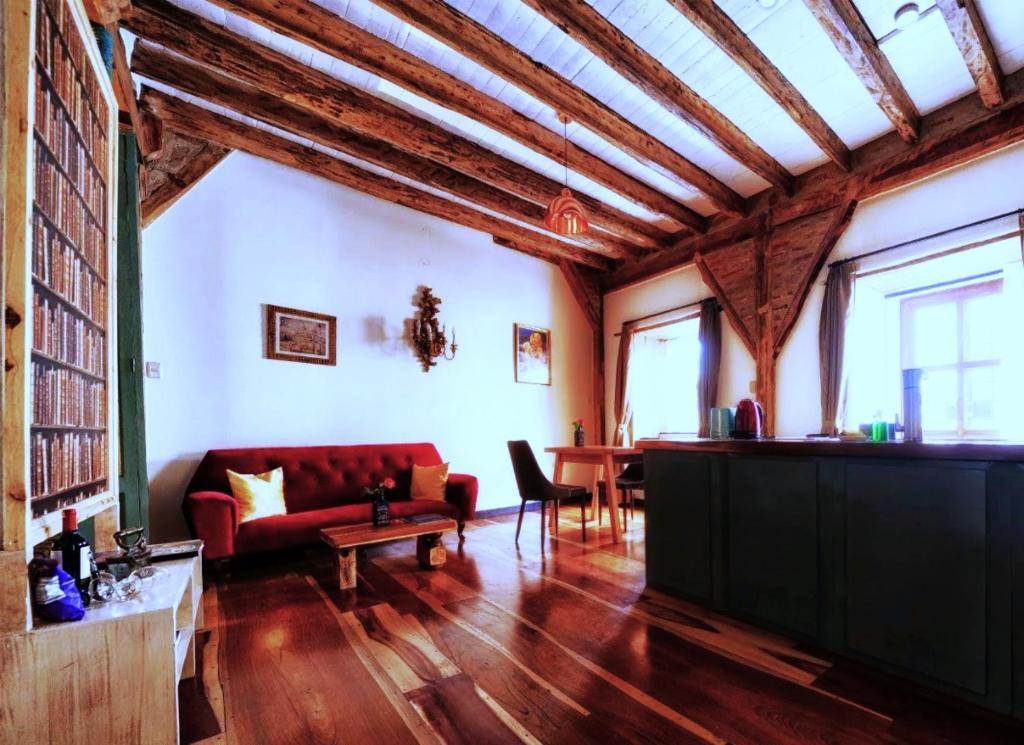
x,y
534,486
629,481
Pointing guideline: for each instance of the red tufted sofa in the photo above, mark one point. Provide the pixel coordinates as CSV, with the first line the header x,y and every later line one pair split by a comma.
x,y
323,486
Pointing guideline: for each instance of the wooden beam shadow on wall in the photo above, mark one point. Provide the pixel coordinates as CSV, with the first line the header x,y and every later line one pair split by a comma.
x,y
762,284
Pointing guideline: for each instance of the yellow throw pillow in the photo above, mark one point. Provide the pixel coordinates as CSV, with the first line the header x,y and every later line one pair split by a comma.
x,y
428,482
258,495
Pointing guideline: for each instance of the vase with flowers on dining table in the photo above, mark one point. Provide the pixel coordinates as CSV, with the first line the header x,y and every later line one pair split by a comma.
x,y
578,436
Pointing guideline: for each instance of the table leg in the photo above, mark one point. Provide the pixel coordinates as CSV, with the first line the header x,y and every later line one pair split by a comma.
x,y
613,499
430,551
559,472
595,498
347,568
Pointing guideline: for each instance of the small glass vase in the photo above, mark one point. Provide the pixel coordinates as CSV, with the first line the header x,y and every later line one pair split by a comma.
x,y
578,437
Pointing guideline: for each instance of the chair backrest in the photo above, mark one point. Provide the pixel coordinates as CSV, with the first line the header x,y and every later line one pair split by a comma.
x,y
632,472
532,482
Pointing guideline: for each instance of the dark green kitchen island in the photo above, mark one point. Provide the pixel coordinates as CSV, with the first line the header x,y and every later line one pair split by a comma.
x,y
907,557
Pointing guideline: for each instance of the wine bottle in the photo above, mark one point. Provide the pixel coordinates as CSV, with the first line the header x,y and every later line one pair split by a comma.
x,y
381,511
75,553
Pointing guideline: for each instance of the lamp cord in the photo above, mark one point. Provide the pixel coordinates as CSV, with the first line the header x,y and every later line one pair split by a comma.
x,y
565,150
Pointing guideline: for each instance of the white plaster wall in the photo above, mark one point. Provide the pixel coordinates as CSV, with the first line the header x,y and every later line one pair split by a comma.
x,y
981,189
253,232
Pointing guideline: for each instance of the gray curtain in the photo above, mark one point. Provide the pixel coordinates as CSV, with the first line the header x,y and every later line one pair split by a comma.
x,y
622,411
835,311
710,336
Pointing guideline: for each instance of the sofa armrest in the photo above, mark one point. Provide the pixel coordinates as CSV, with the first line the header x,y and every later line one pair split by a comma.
x,y
213,517
461,491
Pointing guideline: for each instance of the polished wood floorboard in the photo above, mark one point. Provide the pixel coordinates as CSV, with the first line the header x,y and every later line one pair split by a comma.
x,y
560,643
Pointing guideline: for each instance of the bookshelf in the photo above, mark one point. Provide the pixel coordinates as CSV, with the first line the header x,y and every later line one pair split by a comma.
x,y
69,458
59,393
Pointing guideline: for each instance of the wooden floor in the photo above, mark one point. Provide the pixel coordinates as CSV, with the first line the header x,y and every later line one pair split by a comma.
x,y
561,645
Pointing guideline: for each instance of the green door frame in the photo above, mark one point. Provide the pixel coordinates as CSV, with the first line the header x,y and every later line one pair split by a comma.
x,y
134,477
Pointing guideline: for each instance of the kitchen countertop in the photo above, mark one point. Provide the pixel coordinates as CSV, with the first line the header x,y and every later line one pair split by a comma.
x,y
980,451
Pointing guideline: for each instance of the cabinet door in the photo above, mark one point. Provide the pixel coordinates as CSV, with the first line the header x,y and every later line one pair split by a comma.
x,y
772,524
916,570
677,494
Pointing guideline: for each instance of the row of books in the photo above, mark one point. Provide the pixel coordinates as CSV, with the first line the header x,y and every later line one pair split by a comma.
x,y
60,199
62,55
65,337
42,505
69,152
59,202
60,267
64,460
65,398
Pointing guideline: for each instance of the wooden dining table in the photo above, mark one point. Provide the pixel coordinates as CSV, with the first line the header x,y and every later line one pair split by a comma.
x,y
607,460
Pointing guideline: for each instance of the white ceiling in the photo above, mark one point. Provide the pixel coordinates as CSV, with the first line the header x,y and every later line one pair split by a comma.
x,y
924,56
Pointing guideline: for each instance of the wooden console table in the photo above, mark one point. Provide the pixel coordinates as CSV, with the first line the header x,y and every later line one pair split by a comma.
x,y
111,678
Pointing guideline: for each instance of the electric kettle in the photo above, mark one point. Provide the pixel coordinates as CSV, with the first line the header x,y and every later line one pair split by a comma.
x,y
749,420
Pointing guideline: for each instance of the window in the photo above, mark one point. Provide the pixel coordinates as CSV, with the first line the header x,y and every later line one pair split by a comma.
x,y
664,365
953,335
947,315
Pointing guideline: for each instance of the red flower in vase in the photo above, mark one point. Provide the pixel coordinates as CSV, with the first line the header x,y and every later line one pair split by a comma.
x,y
388,483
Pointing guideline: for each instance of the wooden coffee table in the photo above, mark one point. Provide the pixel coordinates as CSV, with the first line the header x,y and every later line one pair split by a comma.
x,y
345,539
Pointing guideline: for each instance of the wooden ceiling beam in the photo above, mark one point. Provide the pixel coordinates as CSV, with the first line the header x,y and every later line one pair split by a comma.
x,y
846,28
106,12
972,39
177,168
951,136
124,92
723,31
161,66
483,46
185,118
196,38
321,29
587,26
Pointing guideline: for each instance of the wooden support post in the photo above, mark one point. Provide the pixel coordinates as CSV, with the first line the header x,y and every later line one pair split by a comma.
x,y
347,568
764,349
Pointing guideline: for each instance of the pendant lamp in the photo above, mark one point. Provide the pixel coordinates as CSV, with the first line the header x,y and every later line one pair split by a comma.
x,y
566,215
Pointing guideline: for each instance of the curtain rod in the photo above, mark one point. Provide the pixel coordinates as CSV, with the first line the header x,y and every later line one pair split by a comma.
x,y
904,244
694,304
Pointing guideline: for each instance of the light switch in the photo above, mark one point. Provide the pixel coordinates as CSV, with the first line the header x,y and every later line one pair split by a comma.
x,y
152,369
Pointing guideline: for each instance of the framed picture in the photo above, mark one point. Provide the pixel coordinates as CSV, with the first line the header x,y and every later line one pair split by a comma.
x,y
301,336
533,354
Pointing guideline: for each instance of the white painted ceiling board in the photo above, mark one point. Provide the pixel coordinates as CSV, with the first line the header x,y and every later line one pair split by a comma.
x,y
1004,21
543,42
794,42
928,63
924,57
448,120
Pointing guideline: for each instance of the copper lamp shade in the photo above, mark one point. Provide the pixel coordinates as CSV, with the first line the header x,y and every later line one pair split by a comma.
x,y
565,215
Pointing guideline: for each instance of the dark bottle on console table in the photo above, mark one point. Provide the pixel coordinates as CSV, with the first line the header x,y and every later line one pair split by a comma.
x,y
75,553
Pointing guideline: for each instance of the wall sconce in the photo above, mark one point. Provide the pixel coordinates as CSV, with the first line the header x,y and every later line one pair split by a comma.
x,y
428,337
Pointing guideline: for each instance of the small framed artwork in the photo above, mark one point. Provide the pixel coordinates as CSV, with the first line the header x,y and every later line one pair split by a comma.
x,y
301,336
533,354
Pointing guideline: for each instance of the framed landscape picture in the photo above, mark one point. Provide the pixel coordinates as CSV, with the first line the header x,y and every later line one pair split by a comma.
x,y
301,336
533,354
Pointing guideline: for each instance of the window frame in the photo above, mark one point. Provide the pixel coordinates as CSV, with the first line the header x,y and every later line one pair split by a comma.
x,y
958,296
692,315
